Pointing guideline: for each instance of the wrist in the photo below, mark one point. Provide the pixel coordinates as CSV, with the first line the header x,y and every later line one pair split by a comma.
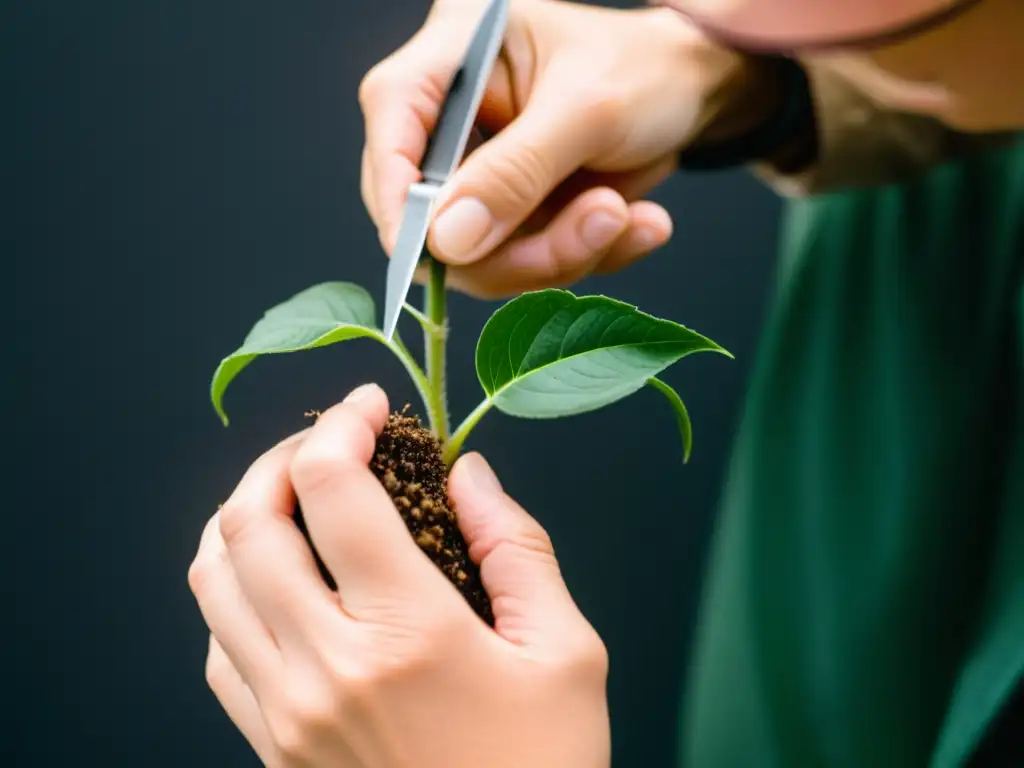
x,y
762,112
749,95
750,109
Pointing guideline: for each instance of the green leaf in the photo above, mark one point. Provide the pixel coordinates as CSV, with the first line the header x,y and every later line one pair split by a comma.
x,y
321,315
549,353
682,417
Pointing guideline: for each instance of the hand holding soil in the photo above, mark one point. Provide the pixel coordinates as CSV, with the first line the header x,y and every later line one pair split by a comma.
x,y
344,677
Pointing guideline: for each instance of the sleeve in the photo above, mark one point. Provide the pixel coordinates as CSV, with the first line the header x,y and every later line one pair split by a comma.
x,y
861,144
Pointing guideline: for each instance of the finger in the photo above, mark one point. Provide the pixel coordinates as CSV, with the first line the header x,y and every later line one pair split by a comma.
x,y
228,613
507,270
650,228
635,185
565,251
351,518
367,188
506,179
395,149
238,702
273,564
401,100
516,558
631,185
397,121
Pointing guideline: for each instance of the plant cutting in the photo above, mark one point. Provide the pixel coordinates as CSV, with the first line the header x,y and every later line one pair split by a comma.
x,y
546,354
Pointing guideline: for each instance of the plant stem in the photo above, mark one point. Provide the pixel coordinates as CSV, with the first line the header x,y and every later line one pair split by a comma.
x,y
454,444
435,334
419,379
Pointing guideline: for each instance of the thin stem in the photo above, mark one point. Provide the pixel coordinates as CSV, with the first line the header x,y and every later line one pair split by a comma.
x,y
435,334
454,444
419,379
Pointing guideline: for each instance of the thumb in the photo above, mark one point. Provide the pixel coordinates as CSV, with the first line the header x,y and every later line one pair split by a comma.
x,y
517,561
506,179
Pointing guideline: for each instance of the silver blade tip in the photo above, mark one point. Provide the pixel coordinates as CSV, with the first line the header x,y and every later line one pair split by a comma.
x,y
391,314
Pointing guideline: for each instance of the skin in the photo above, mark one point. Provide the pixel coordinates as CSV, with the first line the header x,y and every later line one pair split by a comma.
x,y
354,678
975,89
393,669
560,190
586,131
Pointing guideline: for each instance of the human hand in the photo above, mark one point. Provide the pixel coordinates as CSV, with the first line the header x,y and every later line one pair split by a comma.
x,y
393,669
590,107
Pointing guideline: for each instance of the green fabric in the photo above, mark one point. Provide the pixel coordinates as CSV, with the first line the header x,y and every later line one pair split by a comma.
x,y
865,599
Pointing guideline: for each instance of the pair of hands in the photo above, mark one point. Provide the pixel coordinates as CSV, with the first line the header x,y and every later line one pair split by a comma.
x,y
590,107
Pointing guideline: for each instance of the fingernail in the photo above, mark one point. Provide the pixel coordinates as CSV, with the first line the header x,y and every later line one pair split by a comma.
x,y
646,237
361,394
481,474
460,229
599,229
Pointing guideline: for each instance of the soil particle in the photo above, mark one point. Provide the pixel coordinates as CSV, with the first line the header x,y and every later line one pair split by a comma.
x,y
408,462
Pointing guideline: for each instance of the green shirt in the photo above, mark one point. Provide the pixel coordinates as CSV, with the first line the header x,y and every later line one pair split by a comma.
x,y
865,602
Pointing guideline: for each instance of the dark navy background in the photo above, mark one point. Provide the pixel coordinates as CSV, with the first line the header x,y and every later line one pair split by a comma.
x,y
173,168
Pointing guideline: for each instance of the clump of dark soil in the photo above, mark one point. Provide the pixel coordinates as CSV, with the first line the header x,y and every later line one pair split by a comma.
x,y
409,464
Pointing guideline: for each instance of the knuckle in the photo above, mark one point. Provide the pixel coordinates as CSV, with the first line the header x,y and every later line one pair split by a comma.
x,y
378,81
358,690
314,468
202,573
303,718
357,685
411,655
218,670
581,659
529,543
337,449
361,689
326,464
234,520
397,654
531,537
198,569
521,176
590,656
197,576
604,109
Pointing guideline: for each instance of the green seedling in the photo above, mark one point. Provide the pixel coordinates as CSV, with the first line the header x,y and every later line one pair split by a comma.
x,y
543,355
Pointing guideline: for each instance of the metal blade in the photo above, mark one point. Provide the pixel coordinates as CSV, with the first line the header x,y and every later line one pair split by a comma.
x,y
406,256
443,154
459,111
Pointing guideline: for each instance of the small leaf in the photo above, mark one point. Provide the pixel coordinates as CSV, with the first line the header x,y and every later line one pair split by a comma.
x,y
682,417
321,315
549,353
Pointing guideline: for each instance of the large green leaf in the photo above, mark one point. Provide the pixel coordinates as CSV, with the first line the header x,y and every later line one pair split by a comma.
x,y
549,353
321,315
